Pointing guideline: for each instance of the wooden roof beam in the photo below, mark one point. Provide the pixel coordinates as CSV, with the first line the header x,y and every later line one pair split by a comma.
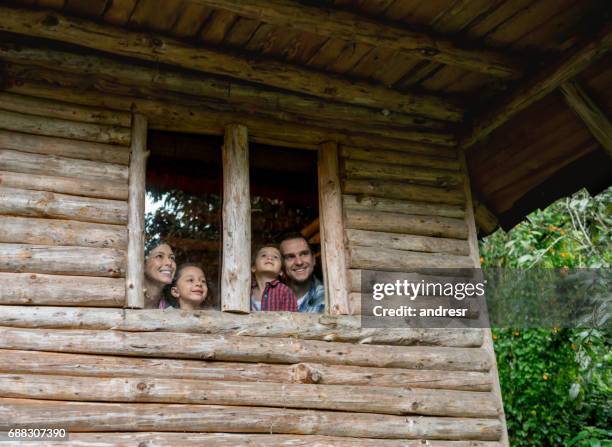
x,y
594,118
351,27
160,49
541,85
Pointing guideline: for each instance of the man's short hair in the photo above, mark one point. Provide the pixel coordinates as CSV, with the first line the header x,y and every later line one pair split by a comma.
x,y
293,235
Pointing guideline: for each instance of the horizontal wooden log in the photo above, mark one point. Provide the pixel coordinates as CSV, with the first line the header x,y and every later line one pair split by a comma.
x,y
165,50
368,203
55,127
240,95
22,230
414,157
348,26
64,147
36,362
74,186
357,169
304,326
27,163
78,261
386,259
404,191
173,115
56,290
380,400
43,107
407,242
416,275
87,417
159,439
447,227
242,349
21,202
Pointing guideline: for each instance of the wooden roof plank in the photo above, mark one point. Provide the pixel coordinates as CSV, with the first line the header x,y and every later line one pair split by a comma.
x,y
119,11
353,28
541,85
160,49
590,113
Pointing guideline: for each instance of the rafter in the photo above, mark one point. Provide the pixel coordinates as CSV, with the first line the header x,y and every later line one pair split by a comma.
x,y
354,28
594,118
541,85
165,50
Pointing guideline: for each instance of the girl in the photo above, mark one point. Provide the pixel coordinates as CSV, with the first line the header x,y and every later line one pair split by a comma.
x,y
189,288
160,267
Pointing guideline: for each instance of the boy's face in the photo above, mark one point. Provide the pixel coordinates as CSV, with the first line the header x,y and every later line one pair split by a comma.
x,y
268,260
191,286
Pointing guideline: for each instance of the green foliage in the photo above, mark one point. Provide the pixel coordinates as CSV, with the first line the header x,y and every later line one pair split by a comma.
x,y
556,382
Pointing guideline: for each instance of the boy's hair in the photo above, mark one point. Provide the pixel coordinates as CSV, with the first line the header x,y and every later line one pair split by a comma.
x,y
259,248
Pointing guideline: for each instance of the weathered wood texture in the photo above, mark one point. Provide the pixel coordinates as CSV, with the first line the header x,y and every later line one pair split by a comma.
x,y
56,127
101,189
243,349
27,163
331,230
56,290
21,202
404,191
361,169
64,147
406,224
425,157
387,259
160,439
45,108
80,416
119,41
381,400
540,85
373,204
236,264
407,242
37,362
304,326
592,116
134,278
174,113
21,230
347,26
240,95
55,260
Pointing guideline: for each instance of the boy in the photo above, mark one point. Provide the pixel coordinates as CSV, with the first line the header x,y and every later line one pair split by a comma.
x,y
268,293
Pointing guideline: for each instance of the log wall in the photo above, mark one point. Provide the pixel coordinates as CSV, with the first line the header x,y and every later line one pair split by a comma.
x,y
63,203
71,357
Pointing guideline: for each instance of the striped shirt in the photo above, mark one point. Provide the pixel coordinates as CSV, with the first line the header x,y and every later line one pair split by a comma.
x,y
275,297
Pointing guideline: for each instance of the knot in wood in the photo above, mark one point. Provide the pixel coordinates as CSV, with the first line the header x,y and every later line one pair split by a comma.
x,y
50,20
429,52
141,386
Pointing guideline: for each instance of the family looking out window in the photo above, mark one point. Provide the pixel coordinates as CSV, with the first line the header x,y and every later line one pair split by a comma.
x,y
283,279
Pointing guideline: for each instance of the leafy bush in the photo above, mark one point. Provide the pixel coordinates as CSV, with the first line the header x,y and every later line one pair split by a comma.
x,y
556,382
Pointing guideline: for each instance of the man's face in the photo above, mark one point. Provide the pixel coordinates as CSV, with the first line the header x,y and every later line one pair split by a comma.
x,y
298,260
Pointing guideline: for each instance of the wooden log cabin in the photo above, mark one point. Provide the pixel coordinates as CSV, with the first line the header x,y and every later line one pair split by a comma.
x,y
433,122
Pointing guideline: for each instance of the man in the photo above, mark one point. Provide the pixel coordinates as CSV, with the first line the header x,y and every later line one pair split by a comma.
x,y
298,264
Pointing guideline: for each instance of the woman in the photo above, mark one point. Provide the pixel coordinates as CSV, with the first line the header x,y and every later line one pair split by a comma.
x,y
160,267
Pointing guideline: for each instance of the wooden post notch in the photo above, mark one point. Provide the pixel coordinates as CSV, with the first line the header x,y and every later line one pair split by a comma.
x,y
332,231
236,265
136,209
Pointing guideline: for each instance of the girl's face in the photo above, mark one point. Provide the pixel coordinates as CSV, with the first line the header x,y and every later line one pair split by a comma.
x,y
191,287
160,264
268,260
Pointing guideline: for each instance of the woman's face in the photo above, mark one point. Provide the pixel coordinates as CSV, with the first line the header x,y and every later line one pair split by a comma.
x,y
160,264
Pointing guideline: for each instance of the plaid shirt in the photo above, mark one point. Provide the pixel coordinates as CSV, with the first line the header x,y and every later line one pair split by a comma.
x,y
277,297
314,299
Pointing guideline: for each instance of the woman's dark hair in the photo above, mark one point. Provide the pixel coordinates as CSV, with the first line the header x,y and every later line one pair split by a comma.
x,y
153,243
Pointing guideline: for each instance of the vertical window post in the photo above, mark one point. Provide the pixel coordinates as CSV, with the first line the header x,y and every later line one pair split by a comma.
x,y
332,231
236,265
136,209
